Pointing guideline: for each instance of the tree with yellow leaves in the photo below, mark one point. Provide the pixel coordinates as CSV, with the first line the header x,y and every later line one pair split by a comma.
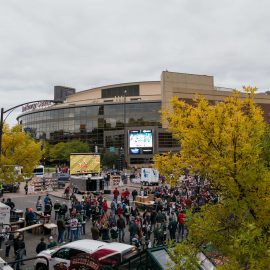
x,y
18,149
223,142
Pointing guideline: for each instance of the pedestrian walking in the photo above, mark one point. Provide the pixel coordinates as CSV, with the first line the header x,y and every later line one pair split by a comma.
x,y
121,229
56,208
115,194
61,231
95,231
73,228
26,188
39,204
134,194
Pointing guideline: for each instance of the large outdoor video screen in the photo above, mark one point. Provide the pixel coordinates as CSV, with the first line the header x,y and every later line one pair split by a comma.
x,y
140,138
84,164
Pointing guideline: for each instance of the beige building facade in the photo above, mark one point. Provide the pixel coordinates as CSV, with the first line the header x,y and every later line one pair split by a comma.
x,y
124,118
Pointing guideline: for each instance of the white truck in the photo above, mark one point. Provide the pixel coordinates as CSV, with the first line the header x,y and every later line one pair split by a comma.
x,y
149,177
4,213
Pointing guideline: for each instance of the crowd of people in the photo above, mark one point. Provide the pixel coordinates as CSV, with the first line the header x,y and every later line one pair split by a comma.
x,y
118,219
121,220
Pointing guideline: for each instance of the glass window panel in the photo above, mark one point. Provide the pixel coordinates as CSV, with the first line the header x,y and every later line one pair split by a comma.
x,y
71,113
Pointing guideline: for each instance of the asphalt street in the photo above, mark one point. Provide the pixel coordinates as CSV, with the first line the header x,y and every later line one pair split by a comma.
x,y
31,241
22,202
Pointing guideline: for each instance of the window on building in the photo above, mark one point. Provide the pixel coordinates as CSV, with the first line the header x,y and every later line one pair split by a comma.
x,y
166,140
131,90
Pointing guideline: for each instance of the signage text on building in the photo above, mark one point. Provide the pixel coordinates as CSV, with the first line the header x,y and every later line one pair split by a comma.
x,y
37,105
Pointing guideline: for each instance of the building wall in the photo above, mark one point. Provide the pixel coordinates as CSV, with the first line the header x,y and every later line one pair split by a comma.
x,y
148,91
186,86
100,121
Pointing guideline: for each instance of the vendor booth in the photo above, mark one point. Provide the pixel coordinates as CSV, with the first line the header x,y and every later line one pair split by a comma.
x,y
84,173
85,183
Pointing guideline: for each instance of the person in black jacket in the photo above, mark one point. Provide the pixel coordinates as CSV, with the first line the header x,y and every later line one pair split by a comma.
x,y
121,229
41,246
56,208
63,210
61,230
134,194
48,208
9,243
10,203
19,248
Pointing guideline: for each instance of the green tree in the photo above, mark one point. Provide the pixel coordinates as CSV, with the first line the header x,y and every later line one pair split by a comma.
x,y
60,152
18,148
223,142
109,160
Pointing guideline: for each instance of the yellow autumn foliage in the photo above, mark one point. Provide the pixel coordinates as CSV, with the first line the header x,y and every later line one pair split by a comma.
x,y
18,148
223,143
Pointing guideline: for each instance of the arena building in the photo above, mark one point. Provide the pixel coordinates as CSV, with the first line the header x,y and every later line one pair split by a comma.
x,y
123,117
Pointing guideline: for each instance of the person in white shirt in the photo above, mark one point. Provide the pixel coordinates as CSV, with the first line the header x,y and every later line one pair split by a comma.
x,y
74,228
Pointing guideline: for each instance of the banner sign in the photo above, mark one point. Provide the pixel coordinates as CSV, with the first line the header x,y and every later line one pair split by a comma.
x,y
37,105
84,261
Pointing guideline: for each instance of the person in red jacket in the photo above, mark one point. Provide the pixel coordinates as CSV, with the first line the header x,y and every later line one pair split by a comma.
x,y
116,194
119,210
181,223
105,206
127,193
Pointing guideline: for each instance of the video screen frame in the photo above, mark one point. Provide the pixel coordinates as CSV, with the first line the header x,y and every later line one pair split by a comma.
x,y
141,139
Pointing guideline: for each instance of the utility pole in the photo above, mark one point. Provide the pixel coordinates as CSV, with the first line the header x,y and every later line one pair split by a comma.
x,y
125,135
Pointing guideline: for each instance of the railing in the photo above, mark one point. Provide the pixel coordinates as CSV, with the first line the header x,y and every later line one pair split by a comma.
x,y
13,263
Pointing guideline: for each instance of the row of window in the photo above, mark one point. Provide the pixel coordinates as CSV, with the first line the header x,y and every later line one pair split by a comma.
x,y
94,111
88,126
121,91
142,117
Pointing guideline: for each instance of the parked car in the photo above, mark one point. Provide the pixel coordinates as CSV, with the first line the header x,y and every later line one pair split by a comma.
x,y
12,188
104,253
4,265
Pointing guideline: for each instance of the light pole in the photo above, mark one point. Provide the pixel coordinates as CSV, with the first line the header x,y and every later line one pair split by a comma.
x,y
10,110
125,138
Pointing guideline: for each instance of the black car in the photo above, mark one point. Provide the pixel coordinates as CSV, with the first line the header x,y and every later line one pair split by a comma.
x,y
12,188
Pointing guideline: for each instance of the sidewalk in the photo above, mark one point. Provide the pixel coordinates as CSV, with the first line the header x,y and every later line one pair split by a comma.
x,y
59,193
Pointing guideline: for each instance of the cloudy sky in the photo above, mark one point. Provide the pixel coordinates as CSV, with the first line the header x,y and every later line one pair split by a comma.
x,y
88,43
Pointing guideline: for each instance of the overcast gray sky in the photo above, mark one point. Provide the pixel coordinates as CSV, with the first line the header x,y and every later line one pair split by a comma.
x,y
88,43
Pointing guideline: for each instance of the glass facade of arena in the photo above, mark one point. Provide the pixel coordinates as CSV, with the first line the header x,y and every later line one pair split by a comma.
x,y
101,125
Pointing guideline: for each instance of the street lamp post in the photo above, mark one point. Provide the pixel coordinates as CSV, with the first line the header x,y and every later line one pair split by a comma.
x,y
125,138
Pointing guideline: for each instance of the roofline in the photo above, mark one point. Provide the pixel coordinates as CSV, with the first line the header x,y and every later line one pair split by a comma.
x,y
166,71
110,85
